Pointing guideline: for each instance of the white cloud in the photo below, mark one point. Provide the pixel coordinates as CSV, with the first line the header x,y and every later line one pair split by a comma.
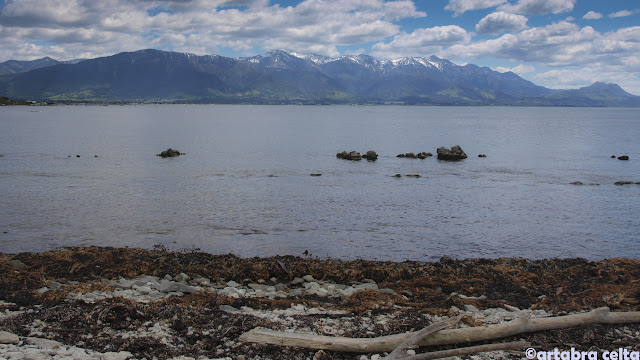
x,y
623,13
592,15
538,7
557,44
500,22
201,26
422,42
459,7
397,10
610,57
520,69
573,78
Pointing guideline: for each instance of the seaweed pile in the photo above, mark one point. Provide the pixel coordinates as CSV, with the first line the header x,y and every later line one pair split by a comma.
x,y
41,294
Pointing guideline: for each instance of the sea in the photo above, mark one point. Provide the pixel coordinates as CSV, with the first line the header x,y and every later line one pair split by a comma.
x,y
244,184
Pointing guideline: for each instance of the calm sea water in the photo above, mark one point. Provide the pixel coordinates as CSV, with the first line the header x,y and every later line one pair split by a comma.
x,y
245,187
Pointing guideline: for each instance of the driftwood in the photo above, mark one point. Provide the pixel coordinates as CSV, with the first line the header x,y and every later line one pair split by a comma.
x,y
413,342
445,337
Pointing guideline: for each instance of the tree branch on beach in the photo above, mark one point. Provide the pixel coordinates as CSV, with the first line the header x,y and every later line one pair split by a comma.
x,y
389,343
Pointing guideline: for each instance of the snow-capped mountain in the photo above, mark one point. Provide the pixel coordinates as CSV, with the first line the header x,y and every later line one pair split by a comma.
x,y
284,77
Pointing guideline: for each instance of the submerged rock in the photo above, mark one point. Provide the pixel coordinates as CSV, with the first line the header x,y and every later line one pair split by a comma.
x,y
410,155
482,155
623,157
170,153
454,154
624,183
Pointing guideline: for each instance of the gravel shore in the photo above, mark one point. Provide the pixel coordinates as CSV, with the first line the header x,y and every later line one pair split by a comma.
x,y
114,303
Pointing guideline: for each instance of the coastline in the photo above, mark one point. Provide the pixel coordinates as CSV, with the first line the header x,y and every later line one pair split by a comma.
x,y
111,300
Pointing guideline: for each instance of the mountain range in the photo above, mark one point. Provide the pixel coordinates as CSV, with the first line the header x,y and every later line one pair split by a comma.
x,y
284,77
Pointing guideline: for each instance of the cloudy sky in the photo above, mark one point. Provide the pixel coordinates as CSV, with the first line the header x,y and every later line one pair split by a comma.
x,y
555,43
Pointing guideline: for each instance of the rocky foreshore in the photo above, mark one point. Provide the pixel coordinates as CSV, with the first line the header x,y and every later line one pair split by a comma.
x,y
107,303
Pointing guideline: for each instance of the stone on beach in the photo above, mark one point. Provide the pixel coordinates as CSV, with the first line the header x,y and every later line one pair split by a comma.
x,y
8,338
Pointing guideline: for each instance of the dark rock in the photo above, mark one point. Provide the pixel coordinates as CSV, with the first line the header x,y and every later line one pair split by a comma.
x,y
170,153
581,183
77,156
95,156
482,155
623,157
315,174
397,175
371,155
613,156
354,155
623,183
410,155
413,175
454,154
447,260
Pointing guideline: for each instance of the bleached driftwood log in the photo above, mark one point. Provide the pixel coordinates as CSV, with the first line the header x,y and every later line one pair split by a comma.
x,y
445,337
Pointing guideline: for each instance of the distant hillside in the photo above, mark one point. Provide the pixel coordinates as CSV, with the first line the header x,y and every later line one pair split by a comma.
x,y
282,77
598,94
6,101
16,66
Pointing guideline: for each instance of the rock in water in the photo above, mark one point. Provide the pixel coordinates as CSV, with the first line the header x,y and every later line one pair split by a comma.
x,y
371,155
623,183
354,155
420,155
170,153
623,157
453,154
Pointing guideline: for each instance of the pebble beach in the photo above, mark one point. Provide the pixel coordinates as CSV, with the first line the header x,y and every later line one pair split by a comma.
x,y
123,303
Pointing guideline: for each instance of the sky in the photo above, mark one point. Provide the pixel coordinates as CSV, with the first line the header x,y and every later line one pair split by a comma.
x,y
560,44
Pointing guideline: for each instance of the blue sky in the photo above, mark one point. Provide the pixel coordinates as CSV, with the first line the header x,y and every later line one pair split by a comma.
x,y
554,43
